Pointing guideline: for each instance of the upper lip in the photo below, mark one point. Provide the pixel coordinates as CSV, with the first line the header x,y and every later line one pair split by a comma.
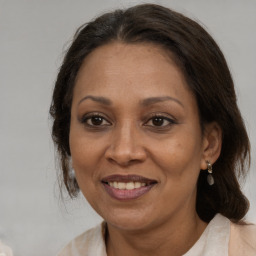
x,y
128,178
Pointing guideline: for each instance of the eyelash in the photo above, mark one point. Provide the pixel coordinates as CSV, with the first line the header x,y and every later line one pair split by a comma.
x,y
88,117
164,118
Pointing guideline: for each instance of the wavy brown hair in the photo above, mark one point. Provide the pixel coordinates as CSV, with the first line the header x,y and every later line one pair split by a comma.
x,y
207,75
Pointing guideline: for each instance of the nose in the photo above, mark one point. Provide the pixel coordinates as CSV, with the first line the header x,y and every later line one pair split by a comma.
x,y
126,147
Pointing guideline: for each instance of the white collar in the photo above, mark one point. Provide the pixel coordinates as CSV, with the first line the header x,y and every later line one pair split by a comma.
x,y
214,240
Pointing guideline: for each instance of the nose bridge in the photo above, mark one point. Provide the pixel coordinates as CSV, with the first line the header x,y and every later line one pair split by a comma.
x,y
126,144
123,137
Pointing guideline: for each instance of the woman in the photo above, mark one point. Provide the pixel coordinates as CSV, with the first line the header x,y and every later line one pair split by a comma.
x,y
145,114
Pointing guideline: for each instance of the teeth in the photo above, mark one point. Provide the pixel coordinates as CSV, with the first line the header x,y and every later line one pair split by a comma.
x,y
121,185
137,184
130,185
126,185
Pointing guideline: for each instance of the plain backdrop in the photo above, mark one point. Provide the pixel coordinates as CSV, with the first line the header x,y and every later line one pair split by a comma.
x,y
33,37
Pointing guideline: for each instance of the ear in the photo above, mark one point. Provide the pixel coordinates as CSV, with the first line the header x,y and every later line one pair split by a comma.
x,y
212,141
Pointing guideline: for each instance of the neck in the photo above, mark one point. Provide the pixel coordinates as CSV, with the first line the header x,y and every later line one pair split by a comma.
x,y
174,237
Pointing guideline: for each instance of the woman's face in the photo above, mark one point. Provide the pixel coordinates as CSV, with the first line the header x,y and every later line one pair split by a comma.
x,y
135,137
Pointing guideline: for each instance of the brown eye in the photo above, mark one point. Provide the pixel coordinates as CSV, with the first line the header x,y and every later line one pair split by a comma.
x,y
95,120
157,121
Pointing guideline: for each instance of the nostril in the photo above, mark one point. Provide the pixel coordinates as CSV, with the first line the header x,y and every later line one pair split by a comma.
x,y
125,151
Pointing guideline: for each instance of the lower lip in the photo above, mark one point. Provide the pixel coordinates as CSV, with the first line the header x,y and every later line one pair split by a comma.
x,y
125,194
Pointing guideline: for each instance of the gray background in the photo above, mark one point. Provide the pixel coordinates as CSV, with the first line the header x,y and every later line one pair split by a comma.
x,y
33,35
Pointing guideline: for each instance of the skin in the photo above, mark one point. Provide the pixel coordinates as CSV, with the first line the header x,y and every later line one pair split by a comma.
x,y
127,141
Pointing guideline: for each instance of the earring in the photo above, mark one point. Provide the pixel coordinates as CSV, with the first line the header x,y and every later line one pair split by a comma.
x,y
210,178
71,174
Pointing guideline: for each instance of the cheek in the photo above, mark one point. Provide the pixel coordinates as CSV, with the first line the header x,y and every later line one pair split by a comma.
x,y
179,161
179,156
85,167
83,155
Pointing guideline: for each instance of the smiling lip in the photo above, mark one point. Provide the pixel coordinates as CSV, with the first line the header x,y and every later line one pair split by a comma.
x,y
127,187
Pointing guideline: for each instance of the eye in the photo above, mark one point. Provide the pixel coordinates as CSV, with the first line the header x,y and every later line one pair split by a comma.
x,y
95,120
159,121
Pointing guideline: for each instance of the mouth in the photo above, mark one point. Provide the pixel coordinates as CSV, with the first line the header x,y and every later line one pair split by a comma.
x,y
127,187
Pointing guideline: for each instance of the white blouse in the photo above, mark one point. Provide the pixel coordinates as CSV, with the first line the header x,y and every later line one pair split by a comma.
x,y
214,240
5,250
220,238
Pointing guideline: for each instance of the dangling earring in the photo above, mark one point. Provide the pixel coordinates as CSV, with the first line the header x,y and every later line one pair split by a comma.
x,y
210,178
71,172
72,185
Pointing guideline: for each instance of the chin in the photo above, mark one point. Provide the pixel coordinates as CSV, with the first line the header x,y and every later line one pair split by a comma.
x,y
133,220
128,224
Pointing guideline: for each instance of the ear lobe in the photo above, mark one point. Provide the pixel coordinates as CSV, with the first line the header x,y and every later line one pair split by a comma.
x,y
212,141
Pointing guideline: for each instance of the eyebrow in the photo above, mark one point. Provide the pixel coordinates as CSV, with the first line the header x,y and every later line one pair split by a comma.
x,y
145,102
153,100
102,100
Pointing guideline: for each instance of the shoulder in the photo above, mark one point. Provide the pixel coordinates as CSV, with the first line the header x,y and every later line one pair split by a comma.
x,y
5,250
242,239
89,243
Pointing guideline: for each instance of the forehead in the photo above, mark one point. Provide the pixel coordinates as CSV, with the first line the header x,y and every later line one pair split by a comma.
x,y
133,55
140,69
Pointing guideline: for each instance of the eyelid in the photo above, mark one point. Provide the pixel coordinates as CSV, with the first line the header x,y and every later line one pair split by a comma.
x,y
165,116
87,116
